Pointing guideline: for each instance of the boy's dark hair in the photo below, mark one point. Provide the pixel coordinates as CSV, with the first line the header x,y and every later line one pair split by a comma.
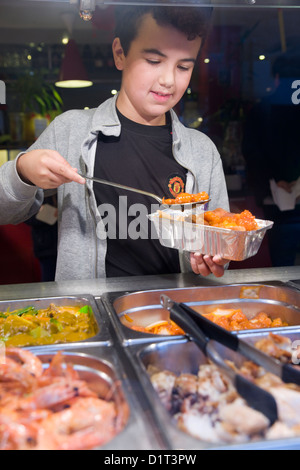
x,y
191,21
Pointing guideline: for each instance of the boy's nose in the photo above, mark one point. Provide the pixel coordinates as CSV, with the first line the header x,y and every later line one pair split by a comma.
x,y
166,78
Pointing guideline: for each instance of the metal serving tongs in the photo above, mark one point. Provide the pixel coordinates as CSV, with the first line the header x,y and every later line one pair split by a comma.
x,y
256,397
287,372
146,193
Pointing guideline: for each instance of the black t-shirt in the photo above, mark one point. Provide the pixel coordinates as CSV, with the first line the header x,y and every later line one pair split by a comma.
x,y
141,157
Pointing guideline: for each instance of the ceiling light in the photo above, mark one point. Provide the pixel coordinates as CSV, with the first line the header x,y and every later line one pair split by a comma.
x,y
86,9
72,72
65,40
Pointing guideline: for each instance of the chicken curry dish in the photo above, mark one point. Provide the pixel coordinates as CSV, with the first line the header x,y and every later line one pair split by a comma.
x,y
56,324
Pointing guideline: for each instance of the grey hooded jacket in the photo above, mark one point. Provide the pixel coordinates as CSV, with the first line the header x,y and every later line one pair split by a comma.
x,y
81,251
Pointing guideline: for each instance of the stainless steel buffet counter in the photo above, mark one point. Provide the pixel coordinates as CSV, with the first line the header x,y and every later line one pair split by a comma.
x,y
148,425
98,286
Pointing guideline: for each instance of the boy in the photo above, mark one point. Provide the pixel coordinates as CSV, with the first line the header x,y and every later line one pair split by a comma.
x,y
134,139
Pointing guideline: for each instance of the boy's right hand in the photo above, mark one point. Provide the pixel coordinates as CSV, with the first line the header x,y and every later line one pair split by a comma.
x,y
46,169
205,264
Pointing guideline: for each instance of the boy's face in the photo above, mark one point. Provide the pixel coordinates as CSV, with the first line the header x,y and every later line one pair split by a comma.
x,y
156,71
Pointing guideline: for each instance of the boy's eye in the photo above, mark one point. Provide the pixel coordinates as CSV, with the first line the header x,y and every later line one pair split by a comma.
x,y
153,61
184,68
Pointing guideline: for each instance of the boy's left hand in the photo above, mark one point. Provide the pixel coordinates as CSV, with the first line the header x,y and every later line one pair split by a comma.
x,y
205,264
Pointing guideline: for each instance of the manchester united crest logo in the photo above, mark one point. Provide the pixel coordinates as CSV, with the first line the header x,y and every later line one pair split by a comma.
x,y
176,185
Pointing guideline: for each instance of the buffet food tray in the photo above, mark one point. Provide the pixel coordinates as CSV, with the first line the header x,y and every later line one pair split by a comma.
x,y
121,356
108,374
295,283
102,336
174,231
125,309
183,357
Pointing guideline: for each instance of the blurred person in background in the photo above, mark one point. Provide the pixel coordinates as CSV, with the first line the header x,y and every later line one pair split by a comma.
x,y
271,148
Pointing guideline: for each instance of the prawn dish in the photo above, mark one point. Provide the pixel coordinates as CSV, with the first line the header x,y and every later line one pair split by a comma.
x,y
56,324
51,408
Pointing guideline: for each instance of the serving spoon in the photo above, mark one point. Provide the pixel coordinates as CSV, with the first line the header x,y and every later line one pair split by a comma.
x,y
185,205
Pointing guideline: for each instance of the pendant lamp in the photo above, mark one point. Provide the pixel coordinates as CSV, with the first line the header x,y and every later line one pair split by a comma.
x,y
72,73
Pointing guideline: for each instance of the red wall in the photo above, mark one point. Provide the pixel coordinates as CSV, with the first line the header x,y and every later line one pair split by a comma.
x,y
18,263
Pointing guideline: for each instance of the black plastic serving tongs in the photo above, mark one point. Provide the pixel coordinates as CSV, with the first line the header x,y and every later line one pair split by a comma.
x,y
256,397
287,372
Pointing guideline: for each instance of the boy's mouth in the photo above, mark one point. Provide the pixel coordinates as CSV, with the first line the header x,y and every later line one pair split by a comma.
x,y
161,97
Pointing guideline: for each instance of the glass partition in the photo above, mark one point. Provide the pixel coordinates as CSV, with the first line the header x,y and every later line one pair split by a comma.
x,y
251,52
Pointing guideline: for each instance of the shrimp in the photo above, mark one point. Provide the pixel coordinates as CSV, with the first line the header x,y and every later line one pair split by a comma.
x,y
58,368
14,434
54,410
12,373
29,361
55,394
88,423
20,369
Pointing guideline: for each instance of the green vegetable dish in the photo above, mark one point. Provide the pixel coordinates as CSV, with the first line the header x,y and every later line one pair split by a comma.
x,y
56,324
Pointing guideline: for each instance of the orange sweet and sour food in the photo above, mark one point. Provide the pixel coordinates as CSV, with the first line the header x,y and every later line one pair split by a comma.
x,y
161,328
234,320
221,218
186,198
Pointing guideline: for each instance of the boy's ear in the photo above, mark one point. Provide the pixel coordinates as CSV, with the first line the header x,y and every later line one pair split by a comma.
x,y
118,53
